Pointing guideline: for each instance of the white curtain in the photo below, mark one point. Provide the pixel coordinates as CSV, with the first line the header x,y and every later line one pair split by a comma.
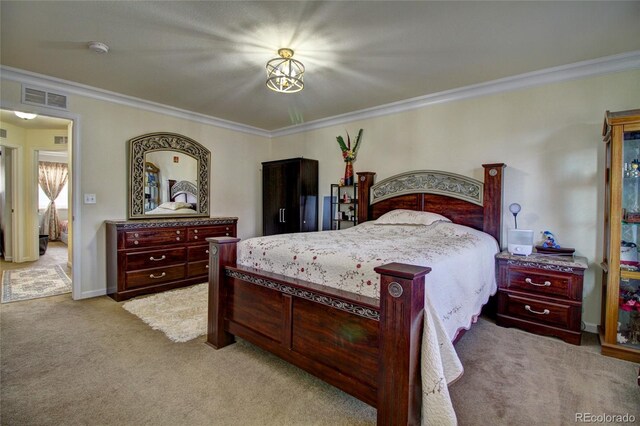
x,y
52,178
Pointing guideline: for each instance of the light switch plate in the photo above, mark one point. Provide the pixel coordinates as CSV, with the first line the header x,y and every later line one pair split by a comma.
x,y
89,198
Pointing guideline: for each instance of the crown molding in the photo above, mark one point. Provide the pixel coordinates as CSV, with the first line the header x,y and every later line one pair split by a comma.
x,y
605,65
609,64
70,87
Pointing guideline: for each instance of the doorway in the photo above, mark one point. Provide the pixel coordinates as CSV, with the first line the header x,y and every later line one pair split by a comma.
x,y
35,230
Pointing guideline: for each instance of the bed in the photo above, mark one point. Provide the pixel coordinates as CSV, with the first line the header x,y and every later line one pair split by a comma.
x,y
64,231
182,199
384,343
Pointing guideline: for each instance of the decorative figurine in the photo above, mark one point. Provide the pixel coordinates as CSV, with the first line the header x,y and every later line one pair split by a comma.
x,y
549,240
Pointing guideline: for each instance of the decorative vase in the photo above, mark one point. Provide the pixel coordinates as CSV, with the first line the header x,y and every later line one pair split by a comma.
x,y
348,173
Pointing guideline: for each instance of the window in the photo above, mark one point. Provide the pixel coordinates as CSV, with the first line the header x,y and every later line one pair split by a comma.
x,y
61,201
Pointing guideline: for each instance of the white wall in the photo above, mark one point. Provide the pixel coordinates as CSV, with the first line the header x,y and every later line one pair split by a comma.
x,y
548,136
104,130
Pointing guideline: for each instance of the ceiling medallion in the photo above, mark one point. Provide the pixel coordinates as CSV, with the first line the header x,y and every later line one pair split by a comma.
x,y
285,74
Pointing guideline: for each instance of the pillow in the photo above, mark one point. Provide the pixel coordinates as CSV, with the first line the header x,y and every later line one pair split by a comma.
x,y
410,217
175,205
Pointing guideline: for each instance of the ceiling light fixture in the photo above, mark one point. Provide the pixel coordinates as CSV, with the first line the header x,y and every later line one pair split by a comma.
x,y
98,47
284,74
25,115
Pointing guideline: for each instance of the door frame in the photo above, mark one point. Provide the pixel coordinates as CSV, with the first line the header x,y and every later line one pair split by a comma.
x,y
16,158
35,154
76,208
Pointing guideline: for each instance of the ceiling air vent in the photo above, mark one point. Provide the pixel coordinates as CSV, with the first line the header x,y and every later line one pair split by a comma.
x,y
42,97
60,140
3,133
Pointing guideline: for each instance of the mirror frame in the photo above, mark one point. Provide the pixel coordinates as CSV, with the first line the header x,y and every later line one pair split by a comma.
x,y
162,141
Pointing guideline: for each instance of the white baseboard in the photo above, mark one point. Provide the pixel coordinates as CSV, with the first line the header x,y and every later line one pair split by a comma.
x,y
92,293
8,259
590,328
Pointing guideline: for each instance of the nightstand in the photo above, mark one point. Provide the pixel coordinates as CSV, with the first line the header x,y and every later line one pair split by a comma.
x,y
541,294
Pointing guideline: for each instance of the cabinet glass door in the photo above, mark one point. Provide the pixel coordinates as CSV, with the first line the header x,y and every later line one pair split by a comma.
x,y
629,289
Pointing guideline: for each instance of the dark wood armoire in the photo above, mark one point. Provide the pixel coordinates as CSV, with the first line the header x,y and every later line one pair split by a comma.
x,y
289,196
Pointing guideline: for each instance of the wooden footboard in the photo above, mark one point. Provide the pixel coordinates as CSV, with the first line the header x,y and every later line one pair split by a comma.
x,y
367,348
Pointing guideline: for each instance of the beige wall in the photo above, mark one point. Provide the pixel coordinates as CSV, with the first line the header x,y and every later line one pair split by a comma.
x,y
28,141
548,136
104,130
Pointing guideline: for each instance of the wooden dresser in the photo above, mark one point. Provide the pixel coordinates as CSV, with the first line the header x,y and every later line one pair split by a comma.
x,y
541,294
149,256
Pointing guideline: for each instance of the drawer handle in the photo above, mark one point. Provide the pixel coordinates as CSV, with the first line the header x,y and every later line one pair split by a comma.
x,y
227,234
178,232
528,308
546,283
159,276
157,260
207,251
177,238
196,237
195,231
227,228
136,235
136,242
206,266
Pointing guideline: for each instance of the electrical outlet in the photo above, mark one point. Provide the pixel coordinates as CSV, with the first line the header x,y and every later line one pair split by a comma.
x,y
89,198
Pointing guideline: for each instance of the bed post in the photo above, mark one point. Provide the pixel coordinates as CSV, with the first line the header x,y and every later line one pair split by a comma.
x,y
401,321
365,181
222,252
493,199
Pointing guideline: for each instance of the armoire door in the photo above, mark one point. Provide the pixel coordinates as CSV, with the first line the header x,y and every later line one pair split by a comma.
x,y
280,188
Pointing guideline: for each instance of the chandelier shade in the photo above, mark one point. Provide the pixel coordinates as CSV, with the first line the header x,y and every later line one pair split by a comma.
x,y
285,74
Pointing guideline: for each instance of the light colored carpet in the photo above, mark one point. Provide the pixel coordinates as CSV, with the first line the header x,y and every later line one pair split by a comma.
x,y
32,283
89,362
180,314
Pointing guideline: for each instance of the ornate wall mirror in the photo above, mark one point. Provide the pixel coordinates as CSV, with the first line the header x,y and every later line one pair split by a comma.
x,y
168,177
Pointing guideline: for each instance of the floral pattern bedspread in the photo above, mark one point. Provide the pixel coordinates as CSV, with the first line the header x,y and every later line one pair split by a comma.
x,y
461,280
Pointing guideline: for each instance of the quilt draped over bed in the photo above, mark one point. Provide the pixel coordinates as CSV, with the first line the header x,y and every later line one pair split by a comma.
x,y
461,280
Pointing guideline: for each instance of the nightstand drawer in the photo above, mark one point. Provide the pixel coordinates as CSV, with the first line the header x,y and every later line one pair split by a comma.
x,y
535,310
550,284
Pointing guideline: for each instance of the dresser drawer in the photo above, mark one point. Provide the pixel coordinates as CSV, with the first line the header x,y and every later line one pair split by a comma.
x,y
198,253
535,310
155,258
551,284
149,237
195,269
153,276
202,232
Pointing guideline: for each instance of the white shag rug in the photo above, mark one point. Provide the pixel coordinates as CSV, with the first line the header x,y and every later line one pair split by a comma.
x,y
180,314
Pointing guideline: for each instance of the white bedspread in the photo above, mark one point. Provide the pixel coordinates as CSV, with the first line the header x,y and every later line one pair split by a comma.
x,y
460,282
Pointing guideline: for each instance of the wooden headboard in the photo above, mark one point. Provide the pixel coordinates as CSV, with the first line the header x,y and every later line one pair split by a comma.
x,y
464,200
183,190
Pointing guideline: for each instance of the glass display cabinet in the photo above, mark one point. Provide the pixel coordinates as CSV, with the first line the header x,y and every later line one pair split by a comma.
x,y
344,206
620,323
